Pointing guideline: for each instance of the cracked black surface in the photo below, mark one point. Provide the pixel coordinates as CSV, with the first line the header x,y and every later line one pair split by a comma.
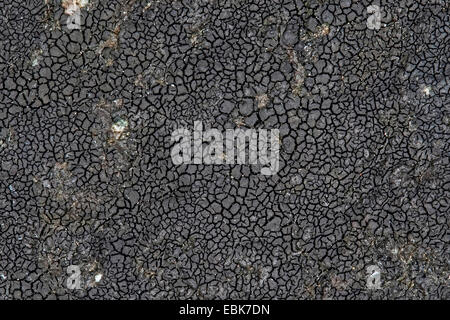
x,y
364,170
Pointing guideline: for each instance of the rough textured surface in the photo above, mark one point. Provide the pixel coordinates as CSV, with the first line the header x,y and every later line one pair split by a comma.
x,y
87,179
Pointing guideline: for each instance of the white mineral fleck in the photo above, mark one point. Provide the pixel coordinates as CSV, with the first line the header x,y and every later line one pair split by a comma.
x,y
98,277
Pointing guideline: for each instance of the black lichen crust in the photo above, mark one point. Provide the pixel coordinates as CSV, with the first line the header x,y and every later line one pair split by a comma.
x,y
86,118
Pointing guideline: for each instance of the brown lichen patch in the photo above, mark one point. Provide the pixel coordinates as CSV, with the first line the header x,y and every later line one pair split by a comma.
x,y
118,103
161,82
299,73
321,31
143,270
262,100
48,17
61,167
338,283
50,262
109,62
299,79
106,108
196,37
196,29
61,182
292,56
73,202
58,184
140,81
61,171
112,42
103,105
239,122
